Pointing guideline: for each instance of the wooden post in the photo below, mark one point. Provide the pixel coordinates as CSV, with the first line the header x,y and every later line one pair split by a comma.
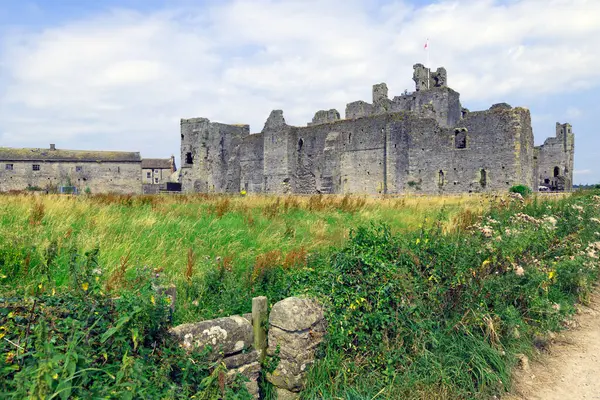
x,y
259,325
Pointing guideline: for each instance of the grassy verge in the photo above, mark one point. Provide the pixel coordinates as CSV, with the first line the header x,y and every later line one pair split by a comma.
x,y
429,315
424,300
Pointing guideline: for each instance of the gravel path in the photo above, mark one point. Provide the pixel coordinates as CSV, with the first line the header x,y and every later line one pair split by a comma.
x,y
571,369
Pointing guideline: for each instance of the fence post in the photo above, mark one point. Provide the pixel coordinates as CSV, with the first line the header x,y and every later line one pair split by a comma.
x,y
259,325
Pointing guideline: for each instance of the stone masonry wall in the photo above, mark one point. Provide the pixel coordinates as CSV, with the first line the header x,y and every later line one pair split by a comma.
x,y
296,326
422,142
556,155
276,144
99,177
210,155
490,161
252,163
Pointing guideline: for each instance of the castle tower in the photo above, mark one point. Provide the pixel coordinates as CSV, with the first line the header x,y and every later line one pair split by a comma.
x,y
209,156
555,159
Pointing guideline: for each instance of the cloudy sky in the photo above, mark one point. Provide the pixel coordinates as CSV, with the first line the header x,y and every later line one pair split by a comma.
x,y
119,74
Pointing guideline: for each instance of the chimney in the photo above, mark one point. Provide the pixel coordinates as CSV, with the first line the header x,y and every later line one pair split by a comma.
x,y
173,167
52,146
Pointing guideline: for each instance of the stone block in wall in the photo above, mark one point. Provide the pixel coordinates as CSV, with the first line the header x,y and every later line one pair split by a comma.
x,y
324,117
283,394
358,109
501,106
226,336
231,340
245,364
297,325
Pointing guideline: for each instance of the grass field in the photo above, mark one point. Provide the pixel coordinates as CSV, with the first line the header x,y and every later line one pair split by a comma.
x,y
185,236
426,297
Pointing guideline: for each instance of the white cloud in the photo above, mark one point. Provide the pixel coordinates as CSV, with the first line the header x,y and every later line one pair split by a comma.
x,y
123,79
582,172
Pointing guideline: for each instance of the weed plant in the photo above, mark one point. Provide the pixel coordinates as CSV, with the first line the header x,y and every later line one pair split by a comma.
x,y
429,315
87,344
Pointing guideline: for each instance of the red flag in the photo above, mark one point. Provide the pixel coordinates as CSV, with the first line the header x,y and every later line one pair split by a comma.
x,y
426,44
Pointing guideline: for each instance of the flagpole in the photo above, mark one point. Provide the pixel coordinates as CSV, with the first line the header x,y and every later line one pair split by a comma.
x,y
428,66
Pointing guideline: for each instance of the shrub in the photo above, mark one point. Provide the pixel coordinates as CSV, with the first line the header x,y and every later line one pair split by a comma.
x,y
87,344
434,315
523,190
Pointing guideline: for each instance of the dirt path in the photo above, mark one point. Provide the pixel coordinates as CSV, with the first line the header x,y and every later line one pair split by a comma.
x,y
571,370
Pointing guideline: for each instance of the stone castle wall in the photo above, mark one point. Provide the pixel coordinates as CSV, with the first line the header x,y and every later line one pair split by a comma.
x,y
555,159
422,142
210,155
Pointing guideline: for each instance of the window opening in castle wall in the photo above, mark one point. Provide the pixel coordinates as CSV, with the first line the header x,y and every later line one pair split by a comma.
x,y
460,139
483,178
36,167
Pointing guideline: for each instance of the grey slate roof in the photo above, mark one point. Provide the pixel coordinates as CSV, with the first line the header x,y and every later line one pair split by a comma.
x,y
13,154
156,163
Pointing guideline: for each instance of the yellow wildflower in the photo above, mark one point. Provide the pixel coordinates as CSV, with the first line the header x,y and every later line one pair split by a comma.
x,y
55,376
53,291
485,263
85,286
152,300
551,274
418,241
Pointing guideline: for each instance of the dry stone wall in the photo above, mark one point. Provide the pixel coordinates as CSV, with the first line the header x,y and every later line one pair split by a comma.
x,y
231,340
296,327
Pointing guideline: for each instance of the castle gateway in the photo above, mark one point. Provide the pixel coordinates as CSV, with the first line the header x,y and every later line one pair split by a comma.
x,y
420,142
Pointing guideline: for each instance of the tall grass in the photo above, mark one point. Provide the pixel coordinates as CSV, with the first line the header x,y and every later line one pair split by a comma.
x,y
185,236
426,298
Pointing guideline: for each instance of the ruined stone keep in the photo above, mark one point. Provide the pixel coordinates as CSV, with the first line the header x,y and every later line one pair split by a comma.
x,y
420,142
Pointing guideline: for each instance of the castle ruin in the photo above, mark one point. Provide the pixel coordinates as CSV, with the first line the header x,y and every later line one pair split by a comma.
x,y
420,142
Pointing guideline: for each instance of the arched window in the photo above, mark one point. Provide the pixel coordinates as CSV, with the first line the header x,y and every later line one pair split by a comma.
x,y
483,178
556,171
300,144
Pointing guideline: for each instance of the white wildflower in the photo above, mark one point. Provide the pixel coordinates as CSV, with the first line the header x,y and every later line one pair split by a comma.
x,y
550,220
487,231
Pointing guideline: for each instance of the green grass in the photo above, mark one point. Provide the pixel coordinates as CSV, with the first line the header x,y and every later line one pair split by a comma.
x,y
159,232
426,298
